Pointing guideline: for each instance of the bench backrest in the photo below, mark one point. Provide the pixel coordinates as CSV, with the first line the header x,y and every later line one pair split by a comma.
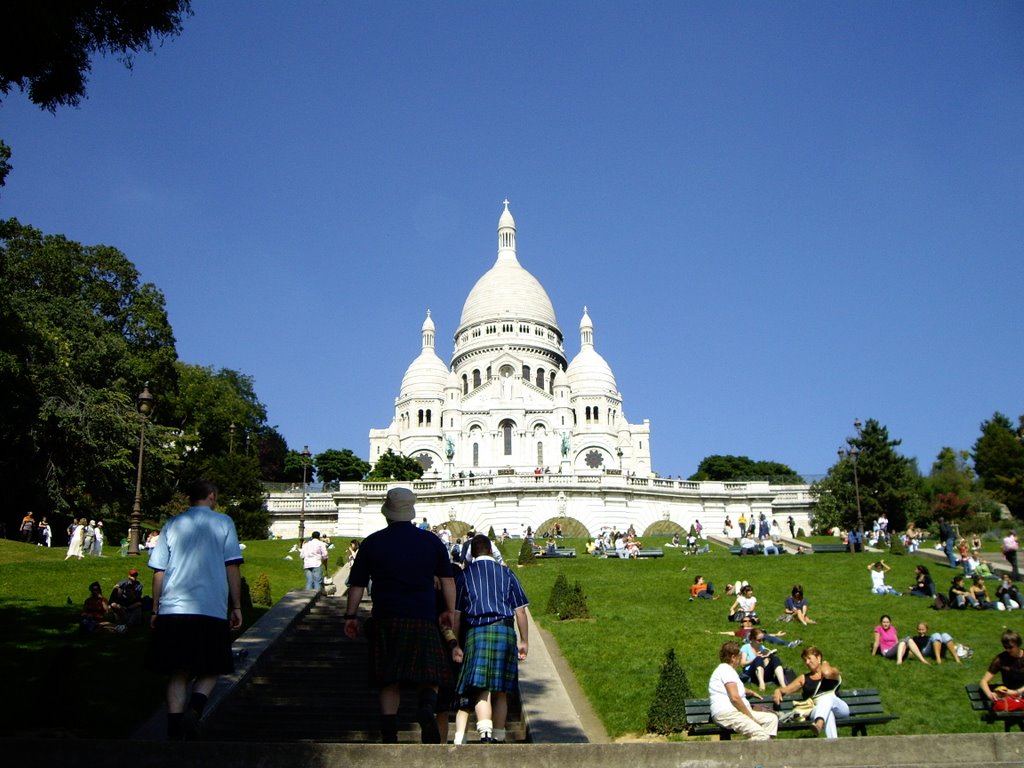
x,y
862,701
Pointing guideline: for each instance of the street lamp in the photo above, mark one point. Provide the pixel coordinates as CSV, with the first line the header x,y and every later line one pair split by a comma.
x,y
302,510
144,405
851,453
231,438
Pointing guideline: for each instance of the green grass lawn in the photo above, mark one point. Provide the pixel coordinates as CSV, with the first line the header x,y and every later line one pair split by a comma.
x,y
58,682
640,609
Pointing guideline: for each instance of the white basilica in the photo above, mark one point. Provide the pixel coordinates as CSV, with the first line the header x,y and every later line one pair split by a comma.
x,y
510,401
512,434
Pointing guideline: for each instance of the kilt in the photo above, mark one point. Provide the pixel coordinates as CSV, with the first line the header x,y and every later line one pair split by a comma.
x,y
491,660
200,645
406,651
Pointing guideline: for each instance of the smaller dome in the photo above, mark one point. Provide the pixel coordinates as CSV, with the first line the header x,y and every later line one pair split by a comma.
x,y
589,373
427,376
428,324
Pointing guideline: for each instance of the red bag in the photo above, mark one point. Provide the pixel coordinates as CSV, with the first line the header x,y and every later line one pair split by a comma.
x,y
1008,703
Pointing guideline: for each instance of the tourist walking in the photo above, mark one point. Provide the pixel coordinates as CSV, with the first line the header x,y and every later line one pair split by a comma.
x,y
404,643
314,555
1010,547
77,543
492,603
196,580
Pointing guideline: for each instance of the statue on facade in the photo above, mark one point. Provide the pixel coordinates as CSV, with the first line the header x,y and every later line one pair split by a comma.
x,y
565,444
449,448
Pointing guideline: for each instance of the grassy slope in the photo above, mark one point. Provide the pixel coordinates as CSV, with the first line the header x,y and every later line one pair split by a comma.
x,y
640,610
60,682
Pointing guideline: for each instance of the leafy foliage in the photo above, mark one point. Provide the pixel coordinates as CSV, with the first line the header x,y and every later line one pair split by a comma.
x,y
46,48
667,713
999,461
260,590
889,484
392,466
718,467
333,466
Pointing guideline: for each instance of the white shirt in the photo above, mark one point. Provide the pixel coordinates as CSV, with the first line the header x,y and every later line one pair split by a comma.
x,y
720,701
878,579
313,553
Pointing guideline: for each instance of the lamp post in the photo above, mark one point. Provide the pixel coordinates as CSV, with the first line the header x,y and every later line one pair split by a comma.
x,y
302,510
851,452
231,438
144,405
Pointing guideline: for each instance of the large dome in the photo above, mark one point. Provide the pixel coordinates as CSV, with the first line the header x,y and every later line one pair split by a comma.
x,y
507,290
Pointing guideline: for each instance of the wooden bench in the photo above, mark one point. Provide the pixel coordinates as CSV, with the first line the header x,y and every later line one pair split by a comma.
x,y
735,550
865,709
980,703
652,552
826,548
556,553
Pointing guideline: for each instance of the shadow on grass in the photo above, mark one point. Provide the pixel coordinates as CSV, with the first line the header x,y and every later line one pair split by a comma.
x,y
60,682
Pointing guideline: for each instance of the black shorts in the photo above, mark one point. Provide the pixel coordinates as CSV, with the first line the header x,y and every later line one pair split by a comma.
x,y
199,645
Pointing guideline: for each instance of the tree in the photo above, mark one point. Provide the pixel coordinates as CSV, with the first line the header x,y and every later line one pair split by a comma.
x,y
392,466
294,464
46,47
271,450
333,466
721,468
79,335
240,493
5,162
889,484
999,461
667,713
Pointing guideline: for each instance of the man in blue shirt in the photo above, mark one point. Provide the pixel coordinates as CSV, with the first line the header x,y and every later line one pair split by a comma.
x,y
196,575
492,603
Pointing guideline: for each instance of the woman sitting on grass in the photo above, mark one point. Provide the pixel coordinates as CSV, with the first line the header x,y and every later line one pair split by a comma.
x,y
960,596
759,662
925,644
745,606
1009,665
1008,595
796,606
924,586
729,707
878,585
820,682
980,593
887,640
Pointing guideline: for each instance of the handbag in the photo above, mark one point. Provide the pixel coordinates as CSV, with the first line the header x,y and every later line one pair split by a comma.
x,y
1008,703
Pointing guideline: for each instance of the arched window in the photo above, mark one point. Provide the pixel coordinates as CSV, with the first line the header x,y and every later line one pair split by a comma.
x,y
476,454
588,414
540,454
476,378
488,373
551,383
596,417
465,384
506,432
540,378
428,417
420,419
526,373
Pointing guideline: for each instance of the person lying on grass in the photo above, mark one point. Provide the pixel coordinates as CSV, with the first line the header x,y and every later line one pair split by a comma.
x,y
744,632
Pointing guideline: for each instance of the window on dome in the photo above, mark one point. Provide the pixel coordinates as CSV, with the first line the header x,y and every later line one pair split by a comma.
x,y
420,420
465,384
540,378
588,414
523,328
488,373
428,417
539,331
597,418
551,383
526,373
476,378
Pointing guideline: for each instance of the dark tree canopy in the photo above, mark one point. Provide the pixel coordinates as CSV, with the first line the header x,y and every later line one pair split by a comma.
x,y
393,466
722,468
999,461
333,465
46,46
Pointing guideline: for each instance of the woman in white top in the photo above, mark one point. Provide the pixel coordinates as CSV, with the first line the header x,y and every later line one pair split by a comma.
x,y
729,707
744,606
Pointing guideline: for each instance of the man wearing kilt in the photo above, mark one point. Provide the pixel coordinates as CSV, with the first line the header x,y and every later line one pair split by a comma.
x,y
403,636
196,581
492,603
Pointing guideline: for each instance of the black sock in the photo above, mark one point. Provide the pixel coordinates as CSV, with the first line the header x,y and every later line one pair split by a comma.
x,y
198,702
426,716
389,729
175,727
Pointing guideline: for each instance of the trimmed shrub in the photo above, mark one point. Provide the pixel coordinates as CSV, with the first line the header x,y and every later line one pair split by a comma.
x,y
896,545
490,533
800,533
559,590
526,553
667,713
261,591
574,606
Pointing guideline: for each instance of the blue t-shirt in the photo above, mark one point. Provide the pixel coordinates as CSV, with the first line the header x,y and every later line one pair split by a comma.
x,y
488,592
192,550
402,560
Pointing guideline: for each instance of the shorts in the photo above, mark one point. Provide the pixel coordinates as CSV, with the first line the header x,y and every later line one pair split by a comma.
x,y
199,645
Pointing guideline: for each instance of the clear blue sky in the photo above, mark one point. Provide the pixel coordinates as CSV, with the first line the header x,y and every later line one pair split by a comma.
x,y
782,216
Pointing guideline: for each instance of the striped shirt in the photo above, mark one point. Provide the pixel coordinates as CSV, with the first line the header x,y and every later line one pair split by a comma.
x,y
488,592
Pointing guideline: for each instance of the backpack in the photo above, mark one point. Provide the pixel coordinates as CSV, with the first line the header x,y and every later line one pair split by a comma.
x,y
941,603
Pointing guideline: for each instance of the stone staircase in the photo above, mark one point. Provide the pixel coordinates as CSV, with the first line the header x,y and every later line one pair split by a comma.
x,y
310,686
